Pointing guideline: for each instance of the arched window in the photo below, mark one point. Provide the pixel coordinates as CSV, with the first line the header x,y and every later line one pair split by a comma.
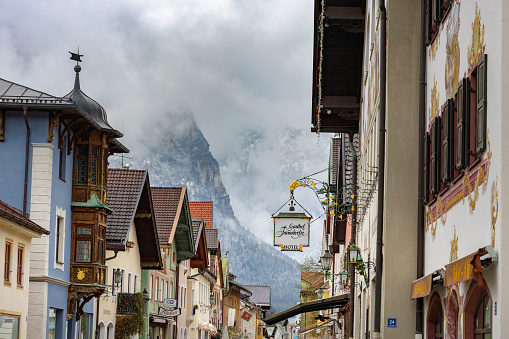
x,y
435,324
478,312
452,316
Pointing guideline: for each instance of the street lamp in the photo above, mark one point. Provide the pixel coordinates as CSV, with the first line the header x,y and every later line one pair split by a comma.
x,y
343,277
212,299
319,293
326,260
117,277
353,252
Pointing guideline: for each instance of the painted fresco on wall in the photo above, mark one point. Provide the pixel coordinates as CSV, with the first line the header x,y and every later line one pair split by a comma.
x,y
476,48
435,102
454,247
494,209
452,64
474,179
434,47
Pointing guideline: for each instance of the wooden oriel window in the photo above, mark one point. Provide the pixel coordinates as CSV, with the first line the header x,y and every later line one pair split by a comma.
x,y
19,271
82,175
7,264
83,244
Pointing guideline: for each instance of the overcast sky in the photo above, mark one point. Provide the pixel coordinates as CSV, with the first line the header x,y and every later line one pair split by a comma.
x,y
236,64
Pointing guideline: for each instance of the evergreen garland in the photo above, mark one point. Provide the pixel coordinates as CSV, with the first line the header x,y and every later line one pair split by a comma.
x,y
131,318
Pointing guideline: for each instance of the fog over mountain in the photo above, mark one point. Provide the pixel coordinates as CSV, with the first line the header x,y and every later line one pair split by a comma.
x,y
257,174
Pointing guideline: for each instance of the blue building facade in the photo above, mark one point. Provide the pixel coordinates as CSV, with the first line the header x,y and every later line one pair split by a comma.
x,y
39,138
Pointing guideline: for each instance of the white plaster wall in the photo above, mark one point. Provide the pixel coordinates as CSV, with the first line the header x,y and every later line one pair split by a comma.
x,y
473,226
37,309
40,205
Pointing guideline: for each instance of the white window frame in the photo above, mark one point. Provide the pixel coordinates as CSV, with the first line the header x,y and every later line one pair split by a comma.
x,y
135,283
59,263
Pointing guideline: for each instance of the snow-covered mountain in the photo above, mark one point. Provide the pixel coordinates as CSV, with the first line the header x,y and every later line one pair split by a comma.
x,y
258,172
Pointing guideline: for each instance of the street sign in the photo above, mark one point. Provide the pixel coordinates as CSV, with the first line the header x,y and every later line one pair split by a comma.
x,y
171,313
291,231
392,322
169,303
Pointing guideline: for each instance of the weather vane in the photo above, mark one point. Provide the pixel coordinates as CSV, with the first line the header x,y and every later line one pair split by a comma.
x,y
76,56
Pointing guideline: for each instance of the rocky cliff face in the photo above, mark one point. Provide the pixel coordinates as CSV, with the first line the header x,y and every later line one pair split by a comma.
x,y
176,153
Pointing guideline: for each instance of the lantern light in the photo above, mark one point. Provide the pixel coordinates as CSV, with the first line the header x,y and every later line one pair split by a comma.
x,y
326,260
353,252
343,277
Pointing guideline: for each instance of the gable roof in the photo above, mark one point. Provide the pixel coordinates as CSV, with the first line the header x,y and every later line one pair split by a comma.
x,y
167,203
20,218
261,295
171,210
200,257
202,210
315,279
129,197
211,235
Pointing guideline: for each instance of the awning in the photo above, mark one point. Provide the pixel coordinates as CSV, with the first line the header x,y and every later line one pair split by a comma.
x,y
319,324
309,306
203,325
421,287
158,319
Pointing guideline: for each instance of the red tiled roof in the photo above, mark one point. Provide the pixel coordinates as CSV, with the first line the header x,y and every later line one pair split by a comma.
x,y
315,279
202,210
20,218
124,191
167,202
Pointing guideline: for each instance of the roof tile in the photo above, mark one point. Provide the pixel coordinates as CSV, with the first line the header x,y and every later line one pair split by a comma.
x,y
124,190
19,217
261,294
211,235
166,201
202,210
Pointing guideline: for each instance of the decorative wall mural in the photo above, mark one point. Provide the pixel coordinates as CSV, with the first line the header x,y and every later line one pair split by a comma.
x,y
452,64
434,47
476,48
454,247
494,210
466,188
435,101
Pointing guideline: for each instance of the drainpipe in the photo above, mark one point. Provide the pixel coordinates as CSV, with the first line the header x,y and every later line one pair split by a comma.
x,y
419,306
353,236
177,296
381,170
27,152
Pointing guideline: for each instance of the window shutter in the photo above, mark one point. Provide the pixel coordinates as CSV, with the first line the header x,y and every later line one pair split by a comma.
x,y
462,130
426,168
428,22
437,13
446,141
435,156
480,114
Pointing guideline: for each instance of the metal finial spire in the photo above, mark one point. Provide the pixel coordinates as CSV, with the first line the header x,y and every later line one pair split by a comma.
x,y
77,57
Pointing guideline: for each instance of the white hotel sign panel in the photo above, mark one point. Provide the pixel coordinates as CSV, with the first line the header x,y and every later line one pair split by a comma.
x,y
291,231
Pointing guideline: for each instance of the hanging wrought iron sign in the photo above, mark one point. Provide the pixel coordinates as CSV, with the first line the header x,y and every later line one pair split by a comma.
x,y
291,229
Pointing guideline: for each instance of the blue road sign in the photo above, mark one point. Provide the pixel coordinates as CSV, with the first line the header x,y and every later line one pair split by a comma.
x,y
392,322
